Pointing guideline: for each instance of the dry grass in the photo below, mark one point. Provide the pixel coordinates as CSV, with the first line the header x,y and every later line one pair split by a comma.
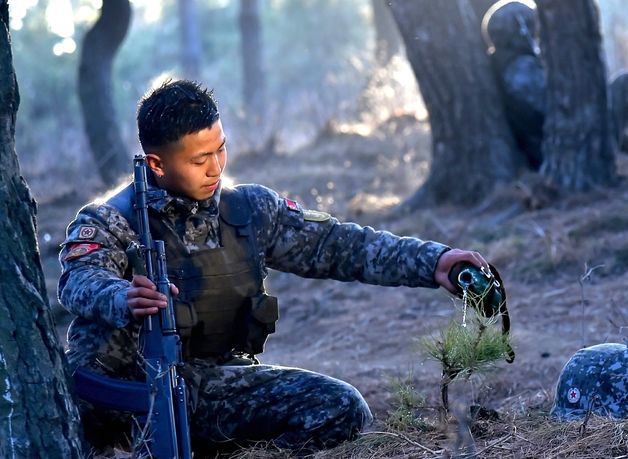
x,y
532,436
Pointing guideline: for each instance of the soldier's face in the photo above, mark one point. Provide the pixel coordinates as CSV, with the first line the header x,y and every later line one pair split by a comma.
x,y
193,166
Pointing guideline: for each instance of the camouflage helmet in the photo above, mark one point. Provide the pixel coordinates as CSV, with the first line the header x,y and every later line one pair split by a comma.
x,y
595,379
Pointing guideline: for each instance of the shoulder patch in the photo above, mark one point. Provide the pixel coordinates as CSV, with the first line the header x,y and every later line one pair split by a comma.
x,y
87,232
315,216
78,250
292,205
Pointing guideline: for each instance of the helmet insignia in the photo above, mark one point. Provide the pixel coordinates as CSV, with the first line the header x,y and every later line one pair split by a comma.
x,y
573,395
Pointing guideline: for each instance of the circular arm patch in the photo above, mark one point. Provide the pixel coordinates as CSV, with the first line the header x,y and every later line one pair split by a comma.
x,y
315,216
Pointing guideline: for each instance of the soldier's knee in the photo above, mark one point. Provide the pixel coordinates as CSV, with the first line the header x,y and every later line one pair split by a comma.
x,y
333,412
349,413
346,419
358,410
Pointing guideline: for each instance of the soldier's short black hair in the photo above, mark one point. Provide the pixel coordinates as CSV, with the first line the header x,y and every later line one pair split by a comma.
x,y
176,108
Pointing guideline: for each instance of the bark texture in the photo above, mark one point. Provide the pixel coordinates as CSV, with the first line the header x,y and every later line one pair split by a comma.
x,y
577,146
481,7
191,49
38,416
100,45
618,90
254,84
472,145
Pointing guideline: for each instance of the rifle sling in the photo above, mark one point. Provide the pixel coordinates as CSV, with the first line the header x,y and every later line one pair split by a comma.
x,y
503,310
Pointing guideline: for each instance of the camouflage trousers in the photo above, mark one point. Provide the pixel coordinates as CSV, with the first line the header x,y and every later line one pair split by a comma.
x,y
243,404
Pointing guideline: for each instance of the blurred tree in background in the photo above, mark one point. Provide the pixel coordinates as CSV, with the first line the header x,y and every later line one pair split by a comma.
x,y
95,89
253,86
577,147
318,55
191,49
618,93
318,52
472,145
388,42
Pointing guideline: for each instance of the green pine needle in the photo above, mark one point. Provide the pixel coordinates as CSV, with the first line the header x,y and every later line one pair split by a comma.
x,y
406,403
466,350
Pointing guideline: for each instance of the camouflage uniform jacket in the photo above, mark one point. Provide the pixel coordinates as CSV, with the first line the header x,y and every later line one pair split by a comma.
x,y
306,243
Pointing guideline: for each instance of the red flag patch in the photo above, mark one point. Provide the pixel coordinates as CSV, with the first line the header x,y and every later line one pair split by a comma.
x,y
79,250
292,205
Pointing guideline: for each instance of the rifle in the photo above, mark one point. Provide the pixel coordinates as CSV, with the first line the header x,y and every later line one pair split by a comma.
x,y
165,426
161,401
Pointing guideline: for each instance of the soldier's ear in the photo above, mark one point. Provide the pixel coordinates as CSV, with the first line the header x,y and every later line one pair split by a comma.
x,y
156,164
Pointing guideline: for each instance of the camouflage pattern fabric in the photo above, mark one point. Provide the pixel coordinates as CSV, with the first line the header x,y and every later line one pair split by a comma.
x,y
307,243
244,404
294,408
594,380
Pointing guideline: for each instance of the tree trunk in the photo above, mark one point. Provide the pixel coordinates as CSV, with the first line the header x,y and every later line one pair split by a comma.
x,y
38,416
191,51
481,7
100,45
387,39
618,93
472,145
577,146
253,89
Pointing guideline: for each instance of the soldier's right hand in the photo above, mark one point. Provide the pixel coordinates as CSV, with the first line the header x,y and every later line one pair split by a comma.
x,y
143,298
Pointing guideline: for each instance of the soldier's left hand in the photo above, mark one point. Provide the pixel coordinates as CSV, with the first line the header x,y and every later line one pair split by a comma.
x,y
452,257
143,299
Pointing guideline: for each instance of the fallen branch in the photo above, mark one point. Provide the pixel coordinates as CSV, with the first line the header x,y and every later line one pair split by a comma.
x,y
495,443
406,439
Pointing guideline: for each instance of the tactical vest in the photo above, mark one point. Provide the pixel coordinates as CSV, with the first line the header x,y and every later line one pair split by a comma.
x,y
222,307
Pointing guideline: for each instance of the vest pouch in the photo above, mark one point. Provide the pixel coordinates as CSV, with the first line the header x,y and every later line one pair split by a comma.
x,y
186,317
259,323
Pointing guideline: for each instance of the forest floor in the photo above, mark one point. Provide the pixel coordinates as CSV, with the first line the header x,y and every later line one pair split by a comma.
x,y
563,260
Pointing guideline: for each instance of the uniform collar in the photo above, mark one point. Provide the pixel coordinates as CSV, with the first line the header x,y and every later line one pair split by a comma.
x,y
162,201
